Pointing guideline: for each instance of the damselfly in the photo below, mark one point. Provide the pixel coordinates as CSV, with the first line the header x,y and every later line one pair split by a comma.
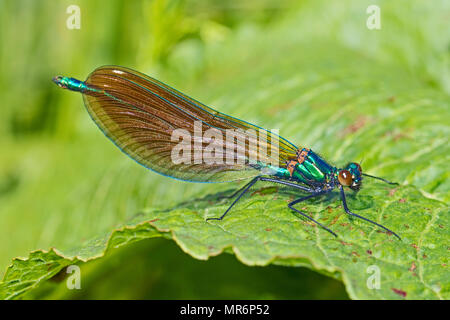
x,y
146,119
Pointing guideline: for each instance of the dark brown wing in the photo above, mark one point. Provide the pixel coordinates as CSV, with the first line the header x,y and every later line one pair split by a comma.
x,y
151,122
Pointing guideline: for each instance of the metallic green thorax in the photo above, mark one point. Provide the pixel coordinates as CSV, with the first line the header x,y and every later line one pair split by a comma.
x,y
311,171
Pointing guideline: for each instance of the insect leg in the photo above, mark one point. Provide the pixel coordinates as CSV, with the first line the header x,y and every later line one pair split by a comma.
x,y
252,182
344,202
286,183
290,184
246,188
291,206
236,192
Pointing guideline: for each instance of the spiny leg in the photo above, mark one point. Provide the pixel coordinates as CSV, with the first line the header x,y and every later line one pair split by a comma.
x,y
246,188
251,183
236,192
344,202
291,204
286,183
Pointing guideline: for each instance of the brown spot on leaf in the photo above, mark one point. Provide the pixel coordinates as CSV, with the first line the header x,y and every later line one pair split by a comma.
x,y
424,256
391,99
346,244
279,108
355,126
268,229
154,220
355,253
402,200
345,224
399,135
334,220
406,226
413,267
392,192
399,292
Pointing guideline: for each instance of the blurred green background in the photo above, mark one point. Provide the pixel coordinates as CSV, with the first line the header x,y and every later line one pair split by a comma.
x,y
62,182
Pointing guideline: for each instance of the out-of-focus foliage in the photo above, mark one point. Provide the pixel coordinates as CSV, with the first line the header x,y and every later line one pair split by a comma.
x,y
309,68
161,271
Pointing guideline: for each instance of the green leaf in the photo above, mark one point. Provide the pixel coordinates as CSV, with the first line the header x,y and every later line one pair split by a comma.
x,y
327,83
158,261
262,230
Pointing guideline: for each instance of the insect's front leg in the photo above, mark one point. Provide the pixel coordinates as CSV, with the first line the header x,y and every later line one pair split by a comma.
x,y
344,203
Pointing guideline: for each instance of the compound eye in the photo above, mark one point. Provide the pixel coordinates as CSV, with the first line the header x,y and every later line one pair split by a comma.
x,y
358,167
345,178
